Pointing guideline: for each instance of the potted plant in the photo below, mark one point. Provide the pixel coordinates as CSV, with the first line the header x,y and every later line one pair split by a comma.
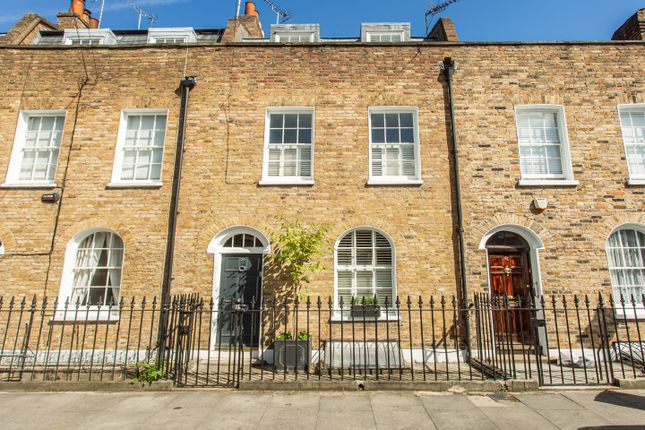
x,y
290,353
365,308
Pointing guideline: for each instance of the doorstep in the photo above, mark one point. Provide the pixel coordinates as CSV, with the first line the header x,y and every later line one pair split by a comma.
x,y
630,384
98,386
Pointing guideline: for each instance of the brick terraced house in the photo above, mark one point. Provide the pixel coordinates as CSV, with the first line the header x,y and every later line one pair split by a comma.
x,y
441,167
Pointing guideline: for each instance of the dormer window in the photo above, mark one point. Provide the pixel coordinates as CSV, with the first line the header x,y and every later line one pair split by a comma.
x,y
172,36
295,33
88,37
385,32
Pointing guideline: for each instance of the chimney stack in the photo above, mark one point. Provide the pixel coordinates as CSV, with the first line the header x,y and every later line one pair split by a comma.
x,y
76,17
633,28
244,26
77,7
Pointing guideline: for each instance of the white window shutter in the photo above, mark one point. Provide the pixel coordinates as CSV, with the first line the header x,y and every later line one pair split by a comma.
x,y
288,144
364,266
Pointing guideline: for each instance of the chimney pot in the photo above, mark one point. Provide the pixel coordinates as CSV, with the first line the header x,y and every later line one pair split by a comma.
x,y
87,14
94,23
78,7
250,9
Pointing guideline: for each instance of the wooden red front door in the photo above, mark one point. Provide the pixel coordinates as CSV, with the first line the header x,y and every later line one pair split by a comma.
x,y
511,292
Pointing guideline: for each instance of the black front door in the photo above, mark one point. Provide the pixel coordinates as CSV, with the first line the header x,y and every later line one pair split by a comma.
x,y
240,284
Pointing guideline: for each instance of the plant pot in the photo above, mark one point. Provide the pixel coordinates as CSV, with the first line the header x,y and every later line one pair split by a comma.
x,y
291,353
365,312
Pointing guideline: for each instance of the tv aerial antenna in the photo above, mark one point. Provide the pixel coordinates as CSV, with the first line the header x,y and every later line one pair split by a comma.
x,y
142,13
281,15
101,13
436,9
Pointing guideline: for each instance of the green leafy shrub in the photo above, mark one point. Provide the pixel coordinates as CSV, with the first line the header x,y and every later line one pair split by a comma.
x,y
287,335
296,250
148,373
365,300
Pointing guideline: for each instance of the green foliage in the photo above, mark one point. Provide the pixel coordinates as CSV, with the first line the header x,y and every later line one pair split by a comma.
x,y
302,336
297,248
365,300
148,373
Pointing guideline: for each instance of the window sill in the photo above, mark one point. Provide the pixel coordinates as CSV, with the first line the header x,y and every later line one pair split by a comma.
x,y
392,317
286,182
411,182
83,314
629,314
547,183
117,185
30,185
636,182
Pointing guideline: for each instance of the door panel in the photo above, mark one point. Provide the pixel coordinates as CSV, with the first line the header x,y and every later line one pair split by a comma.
x,y
510,279
240,286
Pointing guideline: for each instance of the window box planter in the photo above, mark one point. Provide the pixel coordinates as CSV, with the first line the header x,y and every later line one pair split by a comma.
x,y
292,354
365,312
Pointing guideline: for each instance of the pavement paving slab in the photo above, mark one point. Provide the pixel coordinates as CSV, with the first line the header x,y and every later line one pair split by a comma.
x,y
340,411
228,409
291,411
550,401
454,412
400,412
616,407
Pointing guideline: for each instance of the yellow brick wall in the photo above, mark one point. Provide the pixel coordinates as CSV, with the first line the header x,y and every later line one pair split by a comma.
x,y
224,153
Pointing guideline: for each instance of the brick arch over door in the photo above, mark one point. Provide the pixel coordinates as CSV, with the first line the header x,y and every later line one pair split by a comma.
x,y
532,227
535,244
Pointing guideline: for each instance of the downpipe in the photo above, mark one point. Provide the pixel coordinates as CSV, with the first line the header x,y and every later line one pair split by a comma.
x,y
448,67
185,85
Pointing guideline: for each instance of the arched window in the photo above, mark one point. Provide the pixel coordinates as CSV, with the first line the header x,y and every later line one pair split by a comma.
x,y
243,240
365,266
1,248
626,255
96,274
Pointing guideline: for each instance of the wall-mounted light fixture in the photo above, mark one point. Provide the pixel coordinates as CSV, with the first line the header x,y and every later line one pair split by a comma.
x,y
50,198
540,204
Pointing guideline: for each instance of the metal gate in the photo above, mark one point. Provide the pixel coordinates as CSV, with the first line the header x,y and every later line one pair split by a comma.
x,y
192,356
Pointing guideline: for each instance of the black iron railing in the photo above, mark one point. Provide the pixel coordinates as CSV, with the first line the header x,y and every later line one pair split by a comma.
x,y
556,340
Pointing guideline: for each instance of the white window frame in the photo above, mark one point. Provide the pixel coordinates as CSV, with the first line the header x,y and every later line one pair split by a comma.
x,y
392,315
92,312
1,248
629,310
116,181
633,179
12,180
566,179
279,37
372,34
281,31
287,180
156,35
103,35
395,180
368,30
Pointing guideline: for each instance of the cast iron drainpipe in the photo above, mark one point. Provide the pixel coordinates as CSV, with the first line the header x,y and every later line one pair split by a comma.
x,y
185,85
448,66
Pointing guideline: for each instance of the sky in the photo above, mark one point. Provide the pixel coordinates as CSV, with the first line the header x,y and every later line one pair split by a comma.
x,y
475,20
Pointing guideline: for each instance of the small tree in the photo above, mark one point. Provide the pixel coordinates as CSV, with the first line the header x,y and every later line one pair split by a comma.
x,y
296,250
